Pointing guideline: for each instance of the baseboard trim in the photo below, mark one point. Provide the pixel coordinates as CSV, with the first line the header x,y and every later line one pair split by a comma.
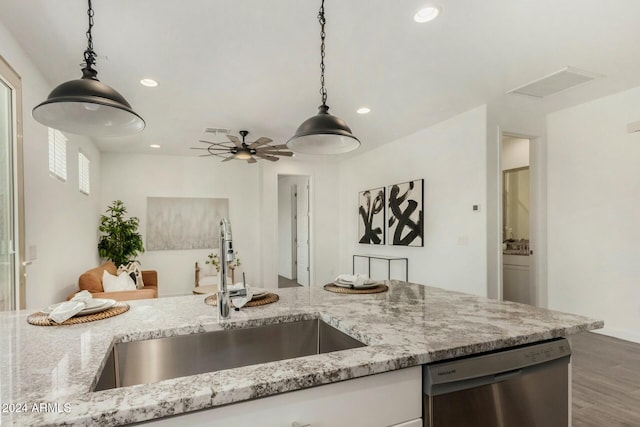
x,y
622,334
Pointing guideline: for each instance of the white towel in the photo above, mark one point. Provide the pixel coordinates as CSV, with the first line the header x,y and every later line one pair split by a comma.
x,y
354,279
68,309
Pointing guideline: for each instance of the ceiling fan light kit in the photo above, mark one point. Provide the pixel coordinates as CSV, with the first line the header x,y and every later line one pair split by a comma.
x,y
323,133
242,150
87,106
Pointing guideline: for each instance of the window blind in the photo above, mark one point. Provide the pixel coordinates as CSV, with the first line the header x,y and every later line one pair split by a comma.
x,y
57,154
84,181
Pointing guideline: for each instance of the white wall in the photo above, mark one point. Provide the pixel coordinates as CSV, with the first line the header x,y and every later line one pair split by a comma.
x,y
285,185
594,212
451,157
324,233
59,221
515,153
134,177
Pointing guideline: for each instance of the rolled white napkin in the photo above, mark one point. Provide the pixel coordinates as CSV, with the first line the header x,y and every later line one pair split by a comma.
x,y
68,309
354,279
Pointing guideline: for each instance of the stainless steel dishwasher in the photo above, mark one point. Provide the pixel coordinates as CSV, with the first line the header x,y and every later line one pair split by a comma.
x,y
526,386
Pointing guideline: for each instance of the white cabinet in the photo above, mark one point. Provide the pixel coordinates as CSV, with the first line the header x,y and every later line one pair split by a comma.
x,y
515,278
387,399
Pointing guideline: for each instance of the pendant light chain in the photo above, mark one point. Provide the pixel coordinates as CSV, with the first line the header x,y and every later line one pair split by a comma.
x,y
323,21
89,54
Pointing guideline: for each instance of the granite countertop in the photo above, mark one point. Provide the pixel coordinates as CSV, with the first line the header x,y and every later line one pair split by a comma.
x,y
406,326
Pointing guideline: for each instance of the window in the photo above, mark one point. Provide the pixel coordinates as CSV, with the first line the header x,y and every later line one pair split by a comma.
x,y
84,181
57,154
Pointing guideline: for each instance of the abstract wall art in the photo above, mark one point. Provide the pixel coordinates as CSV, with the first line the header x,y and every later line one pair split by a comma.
x,y
184,223
405,224
371,207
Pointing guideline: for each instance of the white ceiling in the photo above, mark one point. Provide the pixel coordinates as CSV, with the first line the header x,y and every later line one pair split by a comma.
x,y
254,64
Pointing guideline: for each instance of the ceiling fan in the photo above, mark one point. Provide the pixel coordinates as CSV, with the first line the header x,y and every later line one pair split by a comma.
x,y
241,150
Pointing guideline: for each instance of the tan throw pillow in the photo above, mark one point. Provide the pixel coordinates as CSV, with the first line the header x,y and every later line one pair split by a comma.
x,y
121,282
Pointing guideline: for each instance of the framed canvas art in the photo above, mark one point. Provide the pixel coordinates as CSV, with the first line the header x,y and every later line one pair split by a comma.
x,y
405,224
371,207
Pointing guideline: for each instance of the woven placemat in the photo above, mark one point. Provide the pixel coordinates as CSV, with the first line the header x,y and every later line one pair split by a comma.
x,y
42,319
270,298
340,290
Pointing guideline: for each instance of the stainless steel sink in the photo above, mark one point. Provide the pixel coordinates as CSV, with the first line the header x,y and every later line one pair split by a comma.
x,y
149,361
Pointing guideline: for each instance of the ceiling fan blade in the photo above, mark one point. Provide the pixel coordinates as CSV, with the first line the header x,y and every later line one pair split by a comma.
x,y
279,147
267,157
219,144
229,158
276,153
235,140
260,141
252,160
205,155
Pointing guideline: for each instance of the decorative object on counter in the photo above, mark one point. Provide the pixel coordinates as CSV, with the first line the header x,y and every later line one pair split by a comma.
x,y
331,287
516,247
86,106
386,258
323,133
119,241
265,299
91,280
241,150
371,210
175,223
406,223
42,319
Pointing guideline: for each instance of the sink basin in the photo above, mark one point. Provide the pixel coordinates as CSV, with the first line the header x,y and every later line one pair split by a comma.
x,y
149,361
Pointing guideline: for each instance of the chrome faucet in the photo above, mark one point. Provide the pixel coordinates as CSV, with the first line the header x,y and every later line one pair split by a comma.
x,y
226,256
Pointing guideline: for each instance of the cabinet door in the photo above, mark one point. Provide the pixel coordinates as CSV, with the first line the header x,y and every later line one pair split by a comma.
x,y
375,401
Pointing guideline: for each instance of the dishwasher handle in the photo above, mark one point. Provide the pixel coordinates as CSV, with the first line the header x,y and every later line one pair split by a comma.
x,y
503,376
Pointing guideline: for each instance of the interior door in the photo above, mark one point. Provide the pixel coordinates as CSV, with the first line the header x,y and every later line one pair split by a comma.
x,y
302,231
12,294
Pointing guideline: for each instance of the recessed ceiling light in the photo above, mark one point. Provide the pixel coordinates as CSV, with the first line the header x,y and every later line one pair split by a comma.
x,y
148,82
427,14
154,146
363,110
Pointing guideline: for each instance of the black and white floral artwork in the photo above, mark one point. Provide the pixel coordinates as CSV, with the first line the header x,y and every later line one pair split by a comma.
x,y
406,226
371,216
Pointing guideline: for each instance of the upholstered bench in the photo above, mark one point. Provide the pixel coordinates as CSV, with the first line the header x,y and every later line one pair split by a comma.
x,y
91,281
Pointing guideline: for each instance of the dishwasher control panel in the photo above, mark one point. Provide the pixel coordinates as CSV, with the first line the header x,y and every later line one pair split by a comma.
x,y
498,362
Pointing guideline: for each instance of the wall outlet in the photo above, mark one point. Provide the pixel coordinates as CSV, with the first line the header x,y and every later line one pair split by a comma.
x,y
33,252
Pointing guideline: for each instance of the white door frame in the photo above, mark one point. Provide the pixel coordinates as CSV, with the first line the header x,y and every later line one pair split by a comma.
x,y
537,217
294,232
11,78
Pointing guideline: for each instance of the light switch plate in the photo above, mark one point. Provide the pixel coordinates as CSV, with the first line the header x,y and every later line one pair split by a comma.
x,y
476,208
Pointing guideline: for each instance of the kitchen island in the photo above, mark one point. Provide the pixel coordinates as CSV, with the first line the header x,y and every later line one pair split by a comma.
x,y
48,373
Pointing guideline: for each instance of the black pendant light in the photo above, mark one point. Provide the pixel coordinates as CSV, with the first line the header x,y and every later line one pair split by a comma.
x,y
323,133
86,106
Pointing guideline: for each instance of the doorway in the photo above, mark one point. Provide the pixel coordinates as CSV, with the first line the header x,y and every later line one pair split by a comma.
x,y
518,280
293,231
12,277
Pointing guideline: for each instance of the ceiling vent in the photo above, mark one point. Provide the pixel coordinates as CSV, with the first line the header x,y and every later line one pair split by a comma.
x,y
217,131
554,83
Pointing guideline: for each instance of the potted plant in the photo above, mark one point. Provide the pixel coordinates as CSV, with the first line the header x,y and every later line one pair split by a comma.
x,y
120,241
214,260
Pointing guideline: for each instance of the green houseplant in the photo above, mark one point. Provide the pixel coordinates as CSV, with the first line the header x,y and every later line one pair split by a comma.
x,y
119,241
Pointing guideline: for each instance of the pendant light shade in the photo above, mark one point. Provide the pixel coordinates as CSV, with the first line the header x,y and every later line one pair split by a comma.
x,y
323,134
86,106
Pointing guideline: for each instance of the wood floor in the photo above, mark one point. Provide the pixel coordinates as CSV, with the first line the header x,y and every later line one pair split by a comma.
x,y
606,381
283,282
